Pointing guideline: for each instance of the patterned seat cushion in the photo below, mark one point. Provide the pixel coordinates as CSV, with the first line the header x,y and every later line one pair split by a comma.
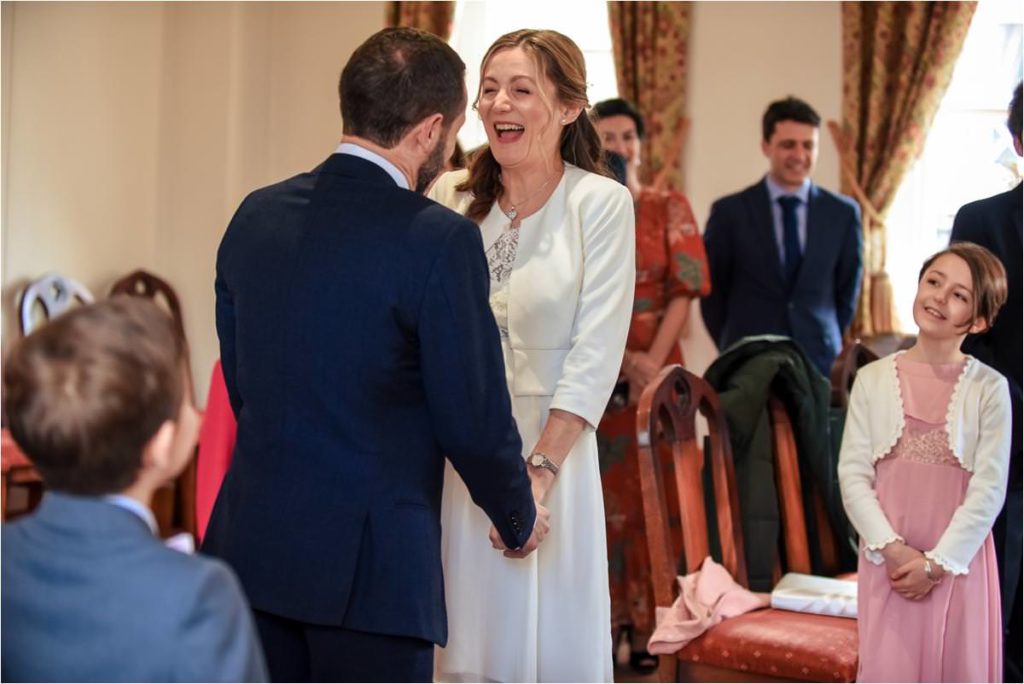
x,y
782,644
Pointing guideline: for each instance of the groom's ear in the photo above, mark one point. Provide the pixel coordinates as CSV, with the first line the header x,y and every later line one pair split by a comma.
x,y
428,133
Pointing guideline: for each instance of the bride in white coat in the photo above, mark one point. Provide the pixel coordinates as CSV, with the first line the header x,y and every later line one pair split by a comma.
x,y
559,241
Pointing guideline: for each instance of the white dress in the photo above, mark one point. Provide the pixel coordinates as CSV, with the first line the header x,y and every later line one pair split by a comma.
x,y
546,617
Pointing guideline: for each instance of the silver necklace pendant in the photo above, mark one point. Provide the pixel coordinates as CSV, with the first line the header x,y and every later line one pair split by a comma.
x,y
511,213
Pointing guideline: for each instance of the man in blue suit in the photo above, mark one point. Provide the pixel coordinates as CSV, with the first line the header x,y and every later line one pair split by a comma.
x,y
359,350
784,254
996,223
99,401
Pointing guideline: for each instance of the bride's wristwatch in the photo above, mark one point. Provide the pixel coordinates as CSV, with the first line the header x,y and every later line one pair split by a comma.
x,y
539,460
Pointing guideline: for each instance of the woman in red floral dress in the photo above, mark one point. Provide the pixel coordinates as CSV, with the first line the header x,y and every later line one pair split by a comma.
x,y
671,269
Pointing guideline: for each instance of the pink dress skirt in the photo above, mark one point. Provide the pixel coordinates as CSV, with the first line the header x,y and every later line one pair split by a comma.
x,y
954,633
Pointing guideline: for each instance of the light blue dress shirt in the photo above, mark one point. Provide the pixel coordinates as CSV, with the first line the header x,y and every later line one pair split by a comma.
x,y
130,504
370,156
775,191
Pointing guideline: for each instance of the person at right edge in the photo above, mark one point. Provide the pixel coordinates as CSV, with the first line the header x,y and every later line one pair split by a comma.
x,y
995,223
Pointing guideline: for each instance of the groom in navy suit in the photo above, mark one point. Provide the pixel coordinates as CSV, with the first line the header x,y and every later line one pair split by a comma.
x,y
784,254
359,350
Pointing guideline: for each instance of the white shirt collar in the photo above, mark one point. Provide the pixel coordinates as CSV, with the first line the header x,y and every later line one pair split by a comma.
x,y
371,156
775,191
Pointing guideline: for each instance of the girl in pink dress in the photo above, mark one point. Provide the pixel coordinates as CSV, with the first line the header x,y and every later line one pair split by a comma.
x,y
923,472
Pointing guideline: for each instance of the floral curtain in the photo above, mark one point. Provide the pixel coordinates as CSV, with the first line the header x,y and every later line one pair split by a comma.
x,y
435,17
898,59
649,40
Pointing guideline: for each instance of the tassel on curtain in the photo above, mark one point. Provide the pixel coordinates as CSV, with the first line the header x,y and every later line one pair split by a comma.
x,y
898,59
649,41
435,17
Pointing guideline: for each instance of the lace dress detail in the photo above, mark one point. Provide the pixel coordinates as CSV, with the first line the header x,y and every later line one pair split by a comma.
x,y
923,442
925,393
501,255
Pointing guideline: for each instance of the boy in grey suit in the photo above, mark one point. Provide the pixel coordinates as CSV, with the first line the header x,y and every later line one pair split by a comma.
x,y
98,400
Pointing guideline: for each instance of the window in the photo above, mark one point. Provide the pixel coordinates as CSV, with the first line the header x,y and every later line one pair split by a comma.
x,y
478,24
968,155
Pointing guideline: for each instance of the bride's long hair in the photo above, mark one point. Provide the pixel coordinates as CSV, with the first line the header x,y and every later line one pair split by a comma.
x,y
562,63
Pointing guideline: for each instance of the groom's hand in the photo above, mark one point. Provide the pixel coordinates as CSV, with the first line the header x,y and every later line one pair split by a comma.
x,y
541,527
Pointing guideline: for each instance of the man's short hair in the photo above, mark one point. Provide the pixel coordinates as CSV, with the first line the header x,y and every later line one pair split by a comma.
x,y
87,391
397,78
789,109
1013,120
617,106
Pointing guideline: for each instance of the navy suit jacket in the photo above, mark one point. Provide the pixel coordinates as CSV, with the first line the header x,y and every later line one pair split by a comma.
x,y
749,293
359,350
995,223
90,595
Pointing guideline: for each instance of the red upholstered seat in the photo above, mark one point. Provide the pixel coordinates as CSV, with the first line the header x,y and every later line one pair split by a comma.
x,y
781,643
765,645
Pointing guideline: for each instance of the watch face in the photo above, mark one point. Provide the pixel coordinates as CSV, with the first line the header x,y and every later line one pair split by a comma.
x,y
536,460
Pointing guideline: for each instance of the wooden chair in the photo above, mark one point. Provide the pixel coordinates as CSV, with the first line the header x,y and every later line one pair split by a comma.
x,y
797,506
19,477
765,645
144,284
175,504
854,355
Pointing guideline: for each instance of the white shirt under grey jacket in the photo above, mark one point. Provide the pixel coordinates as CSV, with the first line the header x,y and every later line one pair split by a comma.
x,y
978,423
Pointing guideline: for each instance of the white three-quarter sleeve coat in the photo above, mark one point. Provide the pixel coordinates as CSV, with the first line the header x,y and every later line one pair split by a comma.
x,y
571,290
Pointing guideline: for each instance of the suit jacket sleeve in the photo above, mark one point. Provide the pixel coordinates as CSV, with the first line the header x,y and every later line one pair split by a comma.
x,y
225,312
464,379
218,640
849,270
605,305
718,245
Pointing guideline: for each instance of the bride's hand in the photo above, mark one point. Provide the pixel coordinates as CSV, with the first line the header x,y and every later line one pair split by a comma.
x,y
541,480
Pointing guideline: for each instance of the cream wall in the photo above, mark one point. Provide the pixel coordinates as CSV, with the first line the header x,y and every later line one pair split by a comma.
x,y
743,55
131,131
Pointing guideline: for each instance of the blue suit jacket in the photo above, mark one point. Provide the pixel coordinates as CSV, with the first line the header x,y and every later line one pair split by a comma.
x,y
89,594
749,294
359,350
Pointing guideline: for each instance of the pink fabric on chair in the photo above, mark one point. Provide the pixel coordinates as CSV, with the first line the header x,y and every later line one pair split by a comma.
x,y
706,597
216,444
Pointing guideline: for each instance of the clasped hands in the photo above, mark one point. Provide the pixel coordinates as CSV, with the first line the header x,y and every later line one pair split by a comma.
x,y
540,481
640,369
906,568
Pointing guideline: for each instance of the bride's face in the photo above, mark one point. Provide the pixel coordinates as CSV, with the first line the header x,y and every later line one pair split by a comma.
x,y
519,108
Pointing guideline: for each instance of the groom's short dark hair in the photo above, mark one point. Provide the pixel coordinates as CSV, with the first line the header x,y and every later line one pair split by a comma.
x,y
394,80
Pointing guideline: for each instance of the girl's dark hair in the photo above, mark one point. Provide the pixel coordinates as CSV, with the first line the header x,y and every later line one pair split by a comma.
x,y
988,278
562,63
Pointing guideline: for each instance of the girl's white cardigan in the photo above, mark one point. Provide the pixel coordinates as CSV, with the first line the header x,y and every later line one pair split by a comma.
x,y
978,423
